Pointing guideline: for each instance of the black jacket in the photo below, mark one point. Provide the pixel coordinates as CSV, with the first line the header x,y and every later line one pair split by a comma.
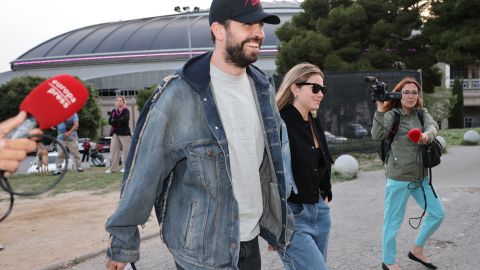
x,y
119,122
312,179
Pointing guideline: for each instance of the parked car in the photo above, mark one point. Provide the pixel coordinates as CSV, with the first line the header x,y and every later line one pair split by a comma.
x,y
334,139
355,131
103,144
52,158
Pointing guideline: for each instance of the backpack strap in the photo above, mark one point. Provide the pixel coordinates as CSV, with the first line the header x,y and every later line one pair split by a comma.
x,y
396,123
386,144
420,117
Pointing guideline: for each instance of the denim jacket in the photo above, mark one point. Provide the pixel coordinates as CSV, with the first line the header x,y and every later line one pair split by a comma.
x,y
179,164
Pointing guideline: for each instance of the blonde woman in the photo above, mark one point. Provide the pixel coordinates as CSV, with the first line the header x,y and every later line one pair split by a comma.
x,y
298,100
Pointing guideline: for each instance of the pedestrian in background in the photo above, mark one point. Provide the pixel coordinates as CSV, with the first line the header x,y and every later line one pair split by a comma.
x,y
68,137
86,150
298,100
120,132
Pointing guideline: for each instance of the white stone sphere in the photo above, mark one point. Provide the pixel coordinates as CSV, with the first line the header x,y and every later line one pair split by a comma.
x,y
471,137
346,166
442,142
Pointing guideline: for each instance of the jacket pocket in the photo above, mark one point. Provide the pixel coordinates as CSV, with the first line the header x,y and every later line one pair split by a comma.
x,y
207,162
195,227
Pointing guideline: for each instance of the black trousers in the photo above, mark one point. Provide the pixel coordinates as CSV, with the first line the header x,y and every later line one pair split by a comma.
x,y
85,156
249,258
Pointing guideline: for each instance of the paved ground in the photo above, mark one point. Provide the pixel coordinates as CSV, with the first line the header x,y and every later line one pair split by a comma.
x,y
357,210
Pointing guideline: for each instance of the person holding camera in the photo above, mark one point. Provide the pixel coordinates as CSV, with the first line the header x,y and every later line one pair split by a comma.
x,y
405,172
298,100
120,132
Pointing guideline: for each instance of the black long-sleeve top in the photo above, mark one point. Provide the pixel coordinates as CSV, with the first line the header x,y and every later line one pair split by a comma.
x,y
311,167
119,121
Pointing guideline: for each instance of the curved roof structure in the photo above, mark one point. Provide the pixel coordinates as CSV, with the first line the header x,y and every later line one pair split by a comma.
x,y
147,39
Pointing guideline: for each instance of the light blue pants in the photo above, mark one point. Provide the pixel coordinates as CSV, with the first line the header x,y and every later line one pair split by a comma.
x,y
309,243
396,197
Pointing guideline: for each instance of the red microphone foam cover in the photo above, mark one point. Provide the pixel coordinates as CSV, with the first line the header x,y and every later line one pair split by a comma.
x,y
55,100
414,134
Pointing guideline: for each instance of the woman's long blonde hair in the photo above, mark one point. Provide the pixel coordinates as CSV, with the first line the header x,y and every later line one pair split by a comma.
x,y
388,105
297,74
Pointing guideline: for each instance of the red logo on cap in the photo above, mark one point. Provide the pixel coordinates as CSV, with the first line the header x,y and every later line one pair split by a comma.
x,y
254,2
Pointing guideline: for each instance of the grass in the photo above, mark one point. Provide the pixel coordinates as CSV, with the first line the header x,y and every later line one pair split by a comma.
x,y
455,136
370,161
366,162
93,179
96,180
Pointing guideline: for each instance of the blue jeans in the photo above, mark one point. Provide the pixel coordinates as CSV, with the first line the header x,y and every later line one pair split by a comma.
x,y
396,197
309,243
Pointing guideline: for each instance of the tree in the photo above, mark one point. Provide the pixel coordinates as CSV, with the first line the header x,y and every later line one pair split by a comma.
x,y
456,120
440,103
13,92
454,33
143,96
89,116
358,35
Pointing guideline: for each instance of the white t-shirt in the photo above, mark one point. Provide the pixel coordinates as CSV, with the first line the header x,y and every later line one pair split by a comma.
x,y
241,121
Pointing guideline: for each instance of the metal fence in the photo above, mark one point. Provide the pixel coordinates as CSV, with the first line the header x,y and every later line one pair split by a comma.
x,y
347,109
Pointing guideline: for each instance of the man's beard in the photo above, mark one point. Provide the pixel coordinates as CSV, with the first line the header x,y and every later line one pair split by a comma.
x,y
236,55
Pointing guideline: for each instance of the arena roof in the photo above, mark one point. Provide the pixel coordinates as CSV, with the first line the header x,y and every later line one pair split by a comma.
x,y
139,40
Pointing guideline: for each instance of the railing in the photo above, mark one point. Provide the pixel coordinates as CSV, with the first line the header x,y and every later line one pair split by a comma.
x,y
469,84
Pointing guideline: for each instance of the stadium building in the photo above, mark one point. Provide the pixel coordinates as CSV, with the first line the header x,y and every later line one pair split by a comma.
x,y
123,57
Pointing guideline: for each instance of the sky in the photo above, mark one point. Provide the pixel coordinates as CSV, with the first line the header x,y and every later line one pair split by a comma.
x,y
25,24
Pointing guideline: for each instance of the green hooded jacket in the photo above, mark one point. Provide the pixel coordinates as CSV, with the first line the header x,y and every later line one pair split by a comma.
x,y
404,161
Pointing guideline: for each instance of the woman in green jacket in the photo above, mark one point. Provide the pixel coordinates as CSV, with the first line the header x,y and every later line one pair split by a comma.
x,y
405,173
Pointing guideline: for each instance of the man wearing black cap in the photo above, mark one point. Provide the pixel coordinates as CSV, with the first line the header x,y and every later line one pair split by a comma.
x,y
207,155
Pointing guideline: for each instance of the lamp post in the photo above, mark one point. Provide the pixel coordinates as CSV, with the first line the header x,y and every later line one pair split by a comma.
x,y
187,11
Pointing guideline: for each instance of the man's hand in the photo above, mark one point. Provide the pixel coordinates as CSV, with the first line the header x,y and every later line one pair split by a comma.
x,y
12,151
113,265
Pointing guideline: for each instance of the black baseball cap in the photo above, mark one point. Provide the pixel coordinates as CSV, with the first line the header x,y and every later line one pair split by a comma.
x,y
245,11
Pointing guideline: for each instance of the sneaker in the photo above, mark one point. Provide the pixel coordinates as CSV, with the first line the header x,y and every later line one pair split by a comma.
x,y
57,172
108,171
122,170
80,169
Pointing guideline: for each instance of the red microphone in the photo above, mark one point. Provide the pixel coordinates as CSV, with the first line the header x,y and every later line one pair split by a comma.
x,y
414,135
50,103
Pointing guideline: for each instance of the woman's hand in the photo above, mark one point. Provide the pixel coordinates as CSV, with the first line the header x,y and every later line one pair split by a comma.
x,y
380,106
423,139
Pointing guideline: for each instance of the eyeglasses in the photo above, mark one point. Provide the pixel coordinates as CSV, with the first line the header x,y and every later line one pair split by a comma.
x,y
408,92
315,87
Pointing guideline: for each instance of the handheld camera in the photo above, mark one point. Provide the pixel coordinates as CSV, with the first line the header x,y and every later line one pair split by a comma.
x,y
378,90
